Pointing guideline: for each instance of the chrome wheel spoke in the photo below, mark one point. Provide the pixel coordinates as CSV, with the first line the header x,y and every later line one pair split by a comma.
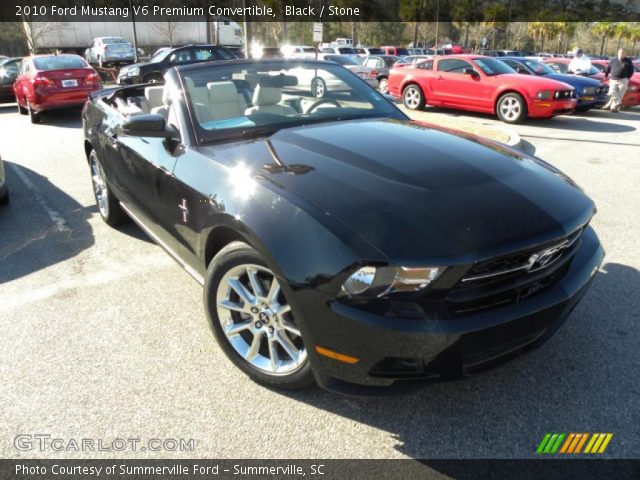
x,y
232,306
274,291
256,286
290,328
288,346
236,328
242,292
274,357
254,349
283,309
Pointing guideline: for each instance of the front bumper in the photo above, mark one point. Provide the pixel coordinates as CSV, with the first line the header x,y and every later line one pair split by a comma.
x,y
551,107
438,348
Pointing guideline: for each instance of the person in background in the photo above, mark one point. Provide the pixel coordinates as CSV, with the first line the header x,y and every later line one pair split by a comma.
x,y
621,70
580,64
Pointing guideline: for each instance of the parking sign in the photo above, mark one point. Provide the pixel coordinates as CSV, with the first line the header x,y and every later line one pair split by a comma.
x,y
317,32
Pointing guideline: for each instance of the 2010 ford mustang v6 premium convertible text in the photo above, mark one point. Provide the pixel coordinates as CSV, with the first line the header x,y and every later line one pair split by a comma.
x,y
337,241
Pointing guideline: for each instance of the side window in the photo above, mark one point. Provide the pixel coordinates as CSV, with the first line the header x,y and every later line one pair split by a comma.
x,y
427,65
204,54
181,56
453,65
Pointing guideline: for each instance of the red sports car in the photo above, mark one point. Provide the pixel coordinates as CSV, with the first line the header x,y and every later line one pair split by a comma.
x,y
632,96
48,82
480,84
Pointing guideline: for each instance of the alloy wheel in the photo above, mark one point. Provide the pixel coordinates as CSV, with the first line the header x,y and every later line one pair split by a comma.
x,y
412,97
99,187
383,86
258,322
510,108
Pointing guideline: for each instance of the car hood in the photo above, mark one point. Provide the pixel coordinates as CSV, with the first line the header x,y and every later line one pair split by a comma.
x,y
418,193
574,80
532,80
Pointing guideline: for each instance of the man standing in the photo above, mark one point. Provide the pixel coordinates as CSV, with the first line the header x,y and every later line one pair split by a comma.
x,y
580,64
621,70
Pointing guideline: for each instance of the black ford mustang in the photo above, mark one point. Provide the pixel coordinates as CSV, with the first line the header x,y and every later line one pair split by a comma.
x,y
337,241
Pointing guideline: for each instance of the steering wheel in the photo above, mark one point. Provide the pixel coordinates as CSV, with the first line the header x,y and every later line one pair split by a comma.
x,y
322,101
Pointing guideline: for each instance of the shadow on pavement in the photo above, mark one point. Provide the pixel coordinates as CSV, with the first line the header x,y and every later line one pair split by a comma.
x,y
42,225
582,379
584,124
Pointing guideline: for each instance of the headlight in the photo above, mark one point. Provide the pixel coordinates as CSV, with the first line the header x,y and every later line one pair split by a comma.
x,y
544,95
633,88
132,72
590,91
379,281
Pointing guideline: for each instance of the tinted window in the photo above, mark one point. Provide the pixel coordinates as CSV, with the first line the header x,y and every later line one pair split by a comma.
x,y
181,56
59,62
113,40
491,66
346,51
453,65
426,65
402,51
375,51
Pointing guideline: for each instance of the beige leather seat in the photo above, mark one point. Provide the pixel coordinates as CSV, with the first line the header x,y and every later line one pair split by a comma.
x,y
224,101
167,110
153,98
267,100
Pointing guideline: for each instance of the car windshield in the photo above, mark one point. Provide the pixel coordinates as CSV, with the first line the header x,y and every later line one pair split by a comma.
x,y
539,68
339,59
113,40
259,98
59,62
492,66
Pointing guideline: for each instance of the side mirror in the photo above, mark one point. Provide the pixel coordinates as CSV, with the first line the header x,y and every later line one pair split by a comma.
x,y
470,71
149,125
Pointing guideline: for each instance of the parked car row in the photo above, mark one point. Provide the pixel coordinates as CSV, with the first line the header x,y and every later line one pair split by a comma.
x,y
513,88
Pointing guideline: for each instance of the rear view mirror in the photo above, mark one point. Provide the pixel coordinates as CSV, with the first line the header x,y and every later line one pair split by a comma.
x,y
149,125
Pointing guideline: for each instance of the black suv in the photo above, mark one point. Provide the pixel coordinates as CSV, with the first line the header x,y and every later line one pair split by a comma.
x,y
153,70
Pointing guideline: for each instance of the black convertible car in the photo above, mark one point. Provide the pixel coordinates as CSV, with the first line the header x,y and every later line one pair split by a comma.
x,y
337,241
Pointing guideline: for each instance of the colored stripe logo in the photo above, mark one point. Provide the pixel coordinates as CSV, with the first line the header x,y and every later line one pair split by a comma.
x,y
553,443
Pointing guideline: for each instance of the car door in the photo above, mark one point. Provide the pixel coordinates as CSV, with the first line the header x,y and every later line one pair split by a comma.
x,y
452,86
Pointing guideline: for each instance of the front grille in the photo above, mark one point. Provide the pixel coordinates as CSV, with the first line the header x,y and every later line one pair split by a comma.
x,y
512,278
564,94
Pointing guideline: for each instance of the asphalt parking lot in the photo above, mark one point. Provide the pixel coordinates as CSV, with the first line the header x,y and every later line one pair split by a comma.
x,y
104,336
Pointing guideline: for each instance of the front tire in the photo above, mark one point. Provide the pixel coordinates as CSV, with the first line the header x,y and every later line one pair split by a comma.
x,y
511,108
107,203
413,97
252,320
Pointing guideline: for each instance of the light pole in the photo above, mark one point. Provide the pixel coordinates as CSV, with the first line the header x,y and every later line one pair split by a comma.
x,y
135,34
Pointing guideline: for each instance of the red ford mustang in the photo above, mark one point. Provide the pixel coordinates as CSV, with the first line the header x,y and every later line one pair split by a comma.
x,y
480,84
47,82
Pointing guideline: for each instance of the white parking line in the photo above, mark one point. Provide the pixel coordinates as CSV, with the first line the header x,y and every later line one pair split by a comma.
x,y
54,215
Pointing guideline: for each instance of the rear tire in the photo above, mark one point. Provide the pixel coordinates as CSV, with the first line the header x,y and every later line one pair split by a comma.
x,y
35,117
413,97
383,85
319,88
511,108
108,204
253,333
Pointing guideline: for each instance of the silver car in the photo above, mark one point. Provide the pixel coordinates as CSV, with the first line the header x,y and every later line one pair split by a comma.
x,y
109,51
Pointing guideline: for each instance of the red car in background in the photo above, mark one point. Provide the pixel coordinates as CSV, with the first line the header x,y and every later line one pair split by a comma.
x,y
631,97
47,82
480,84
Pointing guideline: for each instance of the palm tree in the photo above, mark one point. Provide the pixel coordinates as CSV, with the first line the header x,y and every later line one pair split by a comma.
x,y
622,30
604,30
634,36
